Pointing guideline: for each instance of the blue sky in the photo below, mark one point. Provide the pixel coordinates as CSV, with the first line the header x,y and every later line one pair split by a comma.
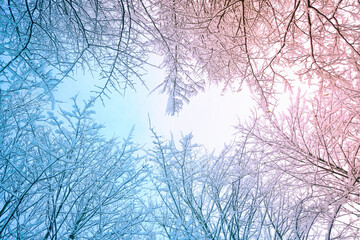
x,y
210,115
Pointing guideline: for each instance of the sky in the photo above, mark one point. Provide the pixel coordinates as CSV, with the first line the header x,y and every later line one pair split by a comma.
x,y
210,116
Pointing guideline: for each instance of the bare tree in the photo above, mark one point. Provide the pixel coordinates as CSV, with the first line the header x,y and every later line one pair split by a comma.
x,y
291,175
42,42
269,45
316,144
230,196
61,179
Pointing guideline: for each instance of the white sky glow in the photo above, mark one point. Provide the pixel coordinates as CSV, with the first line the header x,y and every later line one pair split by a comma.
x,y
210,115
